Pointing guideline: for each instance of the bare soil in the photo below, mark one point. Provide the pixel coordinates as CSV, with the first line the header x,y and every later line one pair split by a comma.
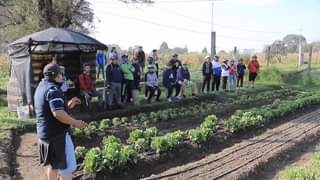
x,y
5,157
243,159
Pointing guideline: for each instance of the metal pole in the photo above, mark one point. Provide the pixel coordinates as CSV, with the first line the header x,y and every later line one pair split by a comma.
x,y
213,35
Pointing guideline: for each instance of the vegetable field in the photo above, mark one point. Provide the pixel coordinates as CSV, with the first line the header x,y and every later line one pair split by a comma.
x,y
213,136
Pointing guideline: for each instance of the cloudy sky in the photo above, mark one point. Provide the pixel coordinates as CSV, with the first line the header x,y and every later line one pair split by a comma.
x,y
247,24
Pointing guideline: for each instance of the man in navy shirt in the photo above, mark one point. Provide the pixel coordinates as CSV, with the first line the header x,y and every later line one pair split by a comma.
x,y
53,125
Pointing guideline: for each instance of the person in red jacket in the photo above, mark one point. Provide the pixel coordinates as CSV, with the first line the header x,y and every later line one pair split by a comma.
x,y
253,68
87,88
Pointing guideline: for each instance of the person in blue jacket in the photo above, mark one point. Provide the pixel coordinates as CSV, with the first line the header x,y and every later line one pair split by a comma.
x,y
100,61
216,72
169,80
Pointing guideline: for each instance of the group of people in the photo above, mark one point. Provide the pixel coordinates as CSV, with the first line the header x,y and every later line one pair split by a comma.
x,y
123,78
231,73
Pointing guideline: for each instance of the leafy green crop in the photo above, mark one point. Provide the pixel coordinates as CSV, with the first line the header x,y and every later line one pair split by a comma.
x,y
159,144
93,162
80,152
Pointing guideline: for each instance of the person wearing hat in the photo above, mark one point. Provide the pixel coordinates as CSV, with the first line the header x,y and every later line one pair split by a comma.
x,y
114,80
127,70
216,72
253,68
56,149
206,73
152,83
176,63
146,70
87,87
169,80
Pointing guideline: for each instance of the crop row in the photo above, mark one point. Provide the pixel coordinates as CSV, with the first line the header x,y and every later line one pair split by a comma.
x,y
260,116
204,108
115,154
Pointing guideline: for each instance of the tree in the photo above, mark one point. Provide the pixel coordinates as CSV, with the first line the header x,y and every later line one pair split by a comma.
x,y
204,50
137,1
292,42
164,47
73,14
278,50
21,17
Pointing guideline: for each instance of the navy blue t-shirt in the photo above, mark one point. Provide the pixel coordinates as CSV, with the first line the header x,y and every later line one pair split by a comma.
x,y
47,99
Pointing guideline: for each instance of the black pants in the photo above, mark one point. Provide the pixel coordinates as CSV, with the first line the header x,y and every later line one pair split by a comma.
x,y
152,91
216,83
127,90
157,72
178,88
170,91
240,81
206,82
224,82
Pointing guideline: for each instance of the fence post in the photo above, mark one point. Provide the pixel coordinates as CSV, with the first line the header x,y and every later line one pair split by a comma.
x,y
310,57
268,56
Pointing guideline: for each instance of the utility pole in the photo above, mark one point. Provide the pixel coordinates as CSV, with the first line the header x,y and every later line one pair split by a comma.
x,y
310,57
213,33
300,50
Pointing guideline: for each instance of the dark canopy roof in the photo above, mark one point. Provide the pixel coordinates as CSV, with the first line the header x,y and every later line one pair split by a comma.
x,y
52,40
59,36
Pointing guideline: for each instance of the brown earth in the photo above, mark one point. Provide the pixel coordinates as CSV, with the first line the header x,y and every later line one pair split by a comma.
x,y
241,160
5,156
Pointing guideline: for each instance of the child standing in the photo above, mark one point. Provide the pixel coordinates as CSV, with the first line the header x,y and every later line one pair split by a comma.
x,y
216,72
240,71
232,76
253,68
225,74
206,73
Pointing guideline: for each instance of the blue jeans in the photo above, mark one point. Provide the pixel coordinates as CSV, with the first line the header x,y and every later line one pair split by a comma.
x,y
70,157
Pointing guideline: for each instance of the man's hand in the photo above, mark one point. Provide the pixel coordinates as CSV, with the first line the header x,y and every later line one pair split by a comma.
x,y
79,124
74,102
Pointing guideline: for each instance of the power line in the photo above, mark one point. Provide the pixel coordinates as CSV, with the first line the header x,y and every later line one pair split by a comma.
x,y
219,25
203,33
207,22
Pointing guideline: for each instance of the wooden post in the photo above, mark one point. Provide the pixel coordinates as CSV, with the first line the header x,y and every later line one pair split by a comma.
x,y
310,57
268,56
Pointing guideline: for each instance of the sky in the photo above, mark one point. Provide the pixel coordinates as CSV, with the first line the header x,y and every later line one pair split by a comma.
x,y
246,24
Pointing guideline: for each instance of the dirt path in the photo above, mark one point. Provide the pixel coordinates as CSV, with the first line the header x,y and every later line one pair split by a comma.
x,y
242,159
27,164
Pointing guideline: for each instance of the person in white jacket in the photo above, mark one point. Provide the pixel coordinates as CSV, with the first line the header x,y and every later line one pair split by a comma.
x,y
225,74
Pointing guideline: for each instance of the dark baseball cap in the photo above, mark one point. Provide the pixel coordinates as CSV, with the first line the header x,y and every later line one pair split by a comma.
x,y
51,69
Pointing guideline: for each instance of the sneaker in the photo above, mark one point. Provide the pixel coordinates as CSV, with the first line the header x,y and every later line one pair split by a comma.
x,y
169,100
179,97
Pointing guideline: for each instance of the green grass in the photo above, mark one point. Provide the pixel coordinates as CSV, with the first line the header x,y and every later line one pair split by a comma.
x,y
309,171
